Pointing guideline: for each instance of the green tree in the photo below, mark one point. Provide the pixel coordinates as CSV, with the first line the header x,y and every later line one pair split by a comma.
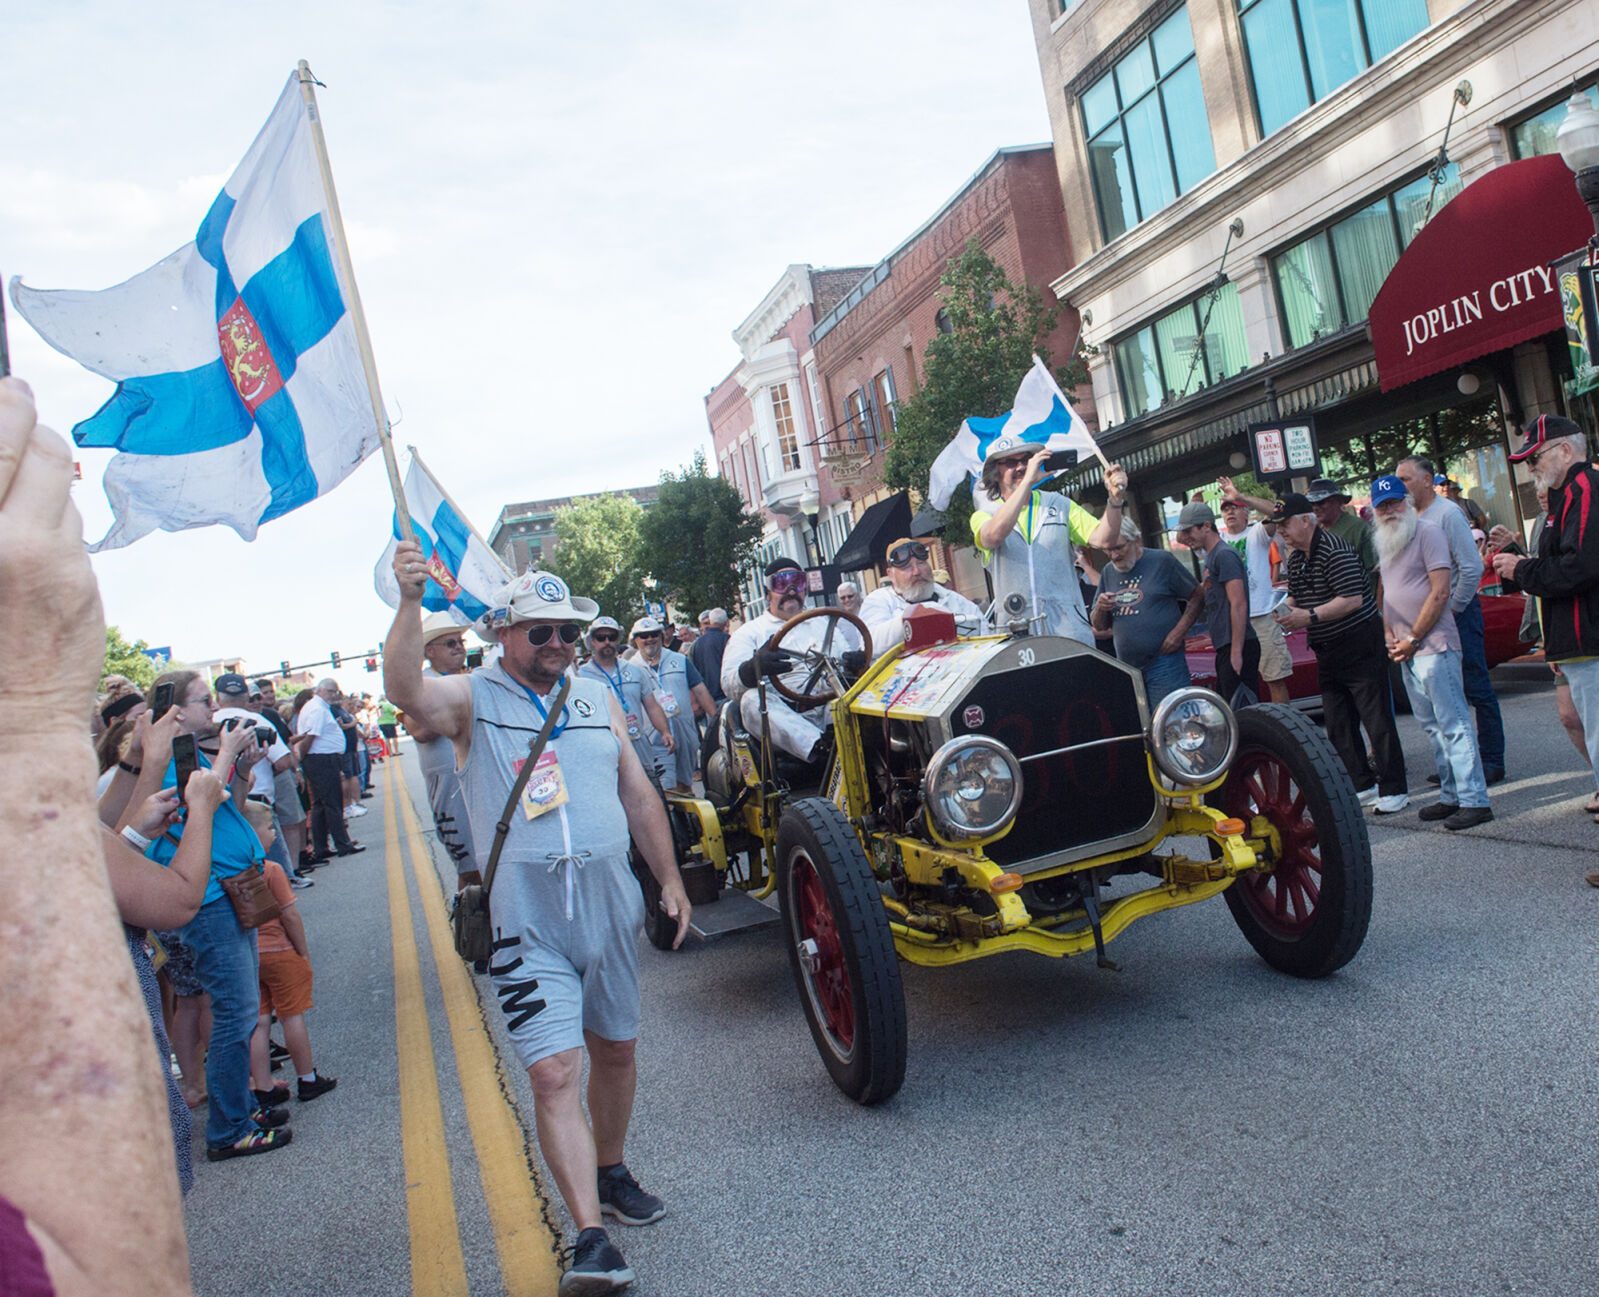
x,y
995,327
600,554
125,659
697,537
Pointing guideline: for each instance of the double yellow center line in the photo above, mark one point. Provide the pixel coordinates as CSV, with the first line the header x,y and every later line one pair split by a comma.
x,y
523,1234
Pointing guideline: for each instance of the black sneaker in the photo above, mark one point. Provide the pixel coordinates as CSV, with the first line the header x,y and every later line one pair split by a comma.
x,y
276,1050
594,1266
316,1087
354,849
620,1196
271,1098
1468,817
1437,811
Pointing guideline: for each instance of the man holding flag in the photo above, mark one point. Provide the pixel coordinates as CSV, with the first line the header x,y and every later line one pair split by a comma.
x,y
1027,537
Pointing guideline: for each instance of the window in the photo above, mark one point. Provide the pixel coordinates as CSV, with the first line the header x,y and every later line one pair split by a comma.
x,y
787,442
1536,136
1148,135
942,322
1165,361
816,396
1300,51
862,427
886,401
1327,282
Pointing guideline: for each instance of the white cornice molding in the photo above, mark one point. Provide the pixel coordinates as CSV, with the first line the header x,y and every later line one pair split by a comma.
x,y
791,292
776,362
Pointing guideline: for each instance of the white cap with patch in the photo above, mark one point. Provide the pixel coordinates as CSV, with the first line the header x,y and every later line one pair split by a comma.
x,y
536,596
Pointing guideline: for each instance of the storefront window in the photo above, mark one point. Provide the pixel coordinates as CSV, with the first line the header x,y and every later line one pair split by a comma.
x,y
1328,281
1148,134
1166,361
1300,51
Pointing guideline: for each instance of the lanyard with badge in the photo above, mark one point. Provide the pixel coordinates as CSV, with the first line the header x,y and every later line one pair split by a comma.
x,y
545,788
628,714
663,695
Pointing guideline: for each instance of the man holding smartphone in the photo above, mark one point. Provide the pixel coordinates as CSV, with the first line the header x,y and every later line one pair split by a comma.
x,y
1027,537
233,692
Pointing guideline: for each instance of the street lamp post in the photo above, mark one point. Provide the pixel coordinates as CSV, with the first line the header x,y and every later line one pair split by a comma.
x,y
1578,142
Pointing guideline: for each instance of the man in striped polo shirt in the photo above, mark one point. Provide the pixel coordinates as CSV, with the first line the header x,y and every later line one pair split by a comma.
x,y
1328,593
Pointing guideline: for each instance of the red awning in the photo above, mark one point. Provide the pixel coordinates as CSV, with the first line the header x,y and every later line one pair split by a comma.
x,y
1476,279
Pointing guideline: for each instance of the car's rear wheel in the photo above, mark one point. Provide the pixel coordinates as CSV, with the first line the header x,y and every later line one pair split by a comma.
x,y
1307,915
842,950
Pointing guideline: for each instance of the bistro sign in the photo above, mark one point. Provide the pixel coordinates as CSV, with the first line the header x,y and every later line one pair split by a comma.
x,y
1477,278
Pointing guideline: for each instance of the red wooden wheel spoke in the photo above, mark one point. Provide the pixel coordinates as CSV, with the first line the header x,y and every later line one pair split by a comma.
x,y
831,978
1285,899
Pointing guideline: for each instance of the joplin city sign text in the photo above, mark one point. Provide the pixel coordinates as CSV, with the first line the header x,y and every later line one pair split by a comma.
x,y
1502,295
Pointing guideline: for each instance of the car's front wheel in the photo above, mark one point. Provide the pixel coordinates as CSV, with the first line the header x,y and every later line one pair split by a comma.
x,y
1307,913
842,950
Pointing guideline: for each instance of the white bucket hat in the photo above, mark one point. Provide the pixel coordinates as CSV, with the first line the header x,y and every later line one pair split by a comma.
x,y
535,596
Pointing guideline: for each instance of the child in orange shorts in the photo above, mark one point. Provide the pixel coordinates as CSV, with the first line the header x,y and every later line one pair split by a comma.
x,y
285,990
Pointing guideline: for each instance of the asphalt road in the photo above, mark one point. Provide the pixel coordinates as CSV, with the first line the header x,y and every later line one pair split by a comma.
x,y
1423,1122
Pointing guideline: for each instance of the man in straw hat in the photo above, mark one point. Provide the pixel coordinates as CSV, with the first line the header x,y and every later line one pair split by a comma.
x,y
566,907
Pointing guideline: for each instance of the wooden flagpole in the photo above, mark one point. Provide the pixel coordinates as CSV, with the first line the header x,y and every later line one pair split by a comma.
x,y
459,512
341,249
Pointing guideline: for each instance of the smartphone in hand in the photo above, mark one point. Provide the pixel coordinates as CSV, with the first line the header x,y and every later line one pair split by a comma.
x,y
1060,460
186,757
161,701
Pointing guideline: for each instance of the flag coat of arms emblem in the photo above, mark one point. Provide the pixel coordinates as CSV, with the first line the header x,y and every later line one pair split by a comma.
x,y
241,392
464,574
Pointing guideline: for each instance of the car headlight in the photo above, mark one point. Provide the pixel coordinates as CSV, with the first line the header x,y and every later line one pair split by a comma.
x,y
1193,736
972,788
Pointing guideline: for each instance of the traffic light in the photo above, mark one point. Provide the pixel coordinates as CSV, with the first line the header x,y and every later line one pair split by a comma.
x,y
285,668
335,662
371,664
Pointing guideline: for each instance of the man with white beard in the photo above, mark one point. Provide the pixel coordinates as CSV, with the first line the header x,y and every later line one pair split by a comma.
x,y
1564,574
911,585
1413,555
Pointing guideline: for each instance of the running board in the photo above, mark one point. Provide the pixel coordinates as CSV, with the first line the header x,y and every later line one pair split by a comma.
x,y
733,911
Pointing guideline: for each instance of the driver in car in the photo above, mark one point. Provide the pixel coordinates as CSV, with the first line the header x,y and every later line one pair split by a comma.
x,y
749,656
911,575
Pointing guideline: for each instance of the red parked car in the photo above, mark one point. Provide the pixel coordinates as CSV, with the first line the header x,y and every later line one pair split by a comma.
x,y
1501,616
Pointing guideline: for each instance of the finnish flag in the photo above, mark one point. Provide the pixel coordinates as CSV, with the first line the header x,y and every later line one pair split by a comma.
x,y
464,574
240,389
1041,415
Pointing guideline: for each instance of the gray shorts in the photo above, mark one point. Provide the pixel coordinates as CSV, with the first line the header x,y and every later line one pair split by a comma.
x,y
558,977
286,799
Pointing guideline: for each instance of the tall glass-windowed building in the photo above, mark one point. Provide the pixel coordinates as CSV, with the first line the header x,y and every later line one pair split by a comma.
x,y
1249,186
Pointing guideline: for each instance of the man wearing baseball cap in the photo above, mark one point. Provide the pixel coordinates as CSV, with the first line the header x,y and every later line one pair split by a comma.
x,y
1422,638
566,907
1226,601
1564,572
634,687
911,585
680,691
1328,593
1027,537
1252,541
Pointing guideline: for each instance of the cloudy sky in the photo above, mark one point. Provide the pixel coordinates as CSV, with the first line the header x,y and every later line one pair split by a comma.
x,y
558,213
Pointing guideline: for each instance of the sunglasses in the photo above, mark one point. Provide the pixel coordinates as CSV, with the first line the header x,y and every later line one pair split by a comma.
x,y
538,636
603,636
648,634
788,583
901,555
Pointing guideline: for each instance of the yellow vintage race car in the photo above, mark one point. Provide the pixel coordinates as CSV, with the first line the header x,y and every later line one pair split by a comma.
x,y
1013,792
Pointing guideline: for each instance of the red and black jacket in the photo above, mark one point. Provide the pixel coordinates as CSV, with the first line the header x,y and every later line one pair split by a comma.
x,y
1565,572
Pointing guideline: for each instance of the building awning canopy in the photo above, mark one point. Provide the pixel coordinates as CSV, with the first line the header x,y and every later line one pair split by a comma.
x,y
1476,278
881,524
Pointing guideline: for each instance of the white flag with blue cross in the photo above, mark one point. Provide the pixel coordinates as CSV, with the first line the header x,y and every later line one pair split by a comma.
x,y
240,389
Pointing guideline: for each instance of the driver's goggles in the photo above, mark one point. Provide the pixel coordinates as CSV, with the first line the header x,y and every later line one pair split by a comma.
x,y
902,555
790,581
540,635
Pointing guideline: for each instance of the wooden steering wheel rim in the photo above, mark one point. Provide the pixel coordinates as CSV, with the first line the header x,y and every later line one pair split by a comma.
x,y
805,702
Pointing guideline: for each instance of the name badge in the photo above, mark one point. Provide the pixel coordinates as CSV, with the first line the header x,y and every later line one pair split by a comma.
x,y
668,701
546,789
633,730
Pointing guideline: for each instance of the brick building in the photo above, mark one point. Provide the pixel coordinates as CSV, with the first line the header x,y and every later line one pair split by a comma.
x,y
800,425
1301,140
869,347
524,534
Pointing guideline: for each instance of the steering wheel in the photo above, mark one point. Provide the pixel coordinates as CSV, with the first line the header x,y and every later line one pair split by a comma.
x,y
805,700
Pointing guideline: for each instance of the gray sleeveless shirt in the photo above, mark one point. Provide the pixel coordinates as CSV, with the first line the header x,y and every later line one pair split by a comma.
x,y
504,720
1045,571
